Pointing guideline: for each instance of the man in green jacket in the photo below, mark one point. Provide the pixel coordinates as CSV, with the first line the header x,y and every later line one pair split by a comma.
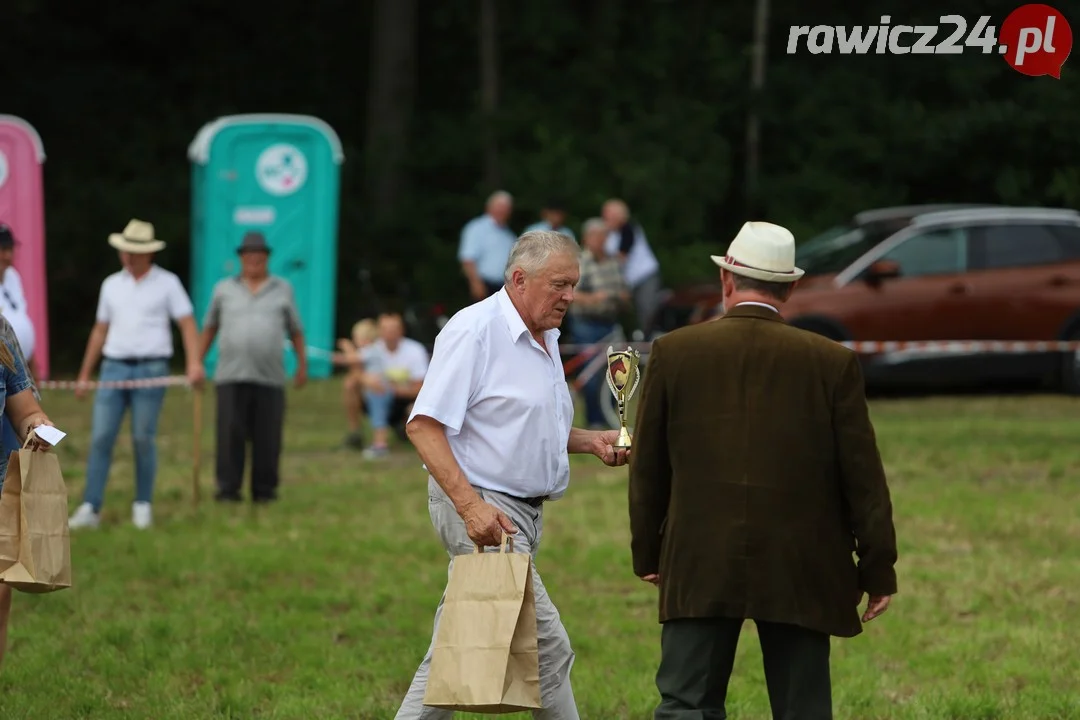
x,y
754,477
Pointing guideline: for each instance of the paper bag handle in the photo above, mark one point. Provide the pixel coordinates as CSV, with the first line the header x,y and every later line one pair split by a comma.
x,y
507,545
30,435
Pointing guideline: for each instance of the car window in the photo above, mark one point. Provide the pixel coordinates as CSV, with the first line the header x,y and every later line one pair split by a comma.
x,y
1069,237
1022,244
936,252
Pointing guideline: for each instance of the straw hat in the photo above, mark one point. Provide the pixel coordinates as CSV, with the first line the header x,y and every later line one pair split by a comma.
x,y
762,251
138,237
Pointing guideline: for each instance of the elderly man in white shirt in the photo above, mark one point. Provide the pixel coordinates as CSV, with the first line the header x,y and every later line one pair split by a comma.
x,y
133,336
493,425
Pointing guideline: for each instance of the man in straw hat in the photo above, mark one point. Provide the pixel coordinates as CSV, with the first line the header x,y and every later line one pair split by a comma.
x,y
133,336
755,476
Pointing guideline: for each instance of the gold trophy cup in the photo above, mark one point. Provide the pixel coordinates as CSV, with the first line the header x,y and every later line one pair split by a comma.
x,y
623,376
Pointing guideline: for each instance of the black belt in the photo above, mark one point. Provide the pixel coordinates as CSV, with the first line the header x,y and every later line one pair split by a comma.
x,y
136,361
535,501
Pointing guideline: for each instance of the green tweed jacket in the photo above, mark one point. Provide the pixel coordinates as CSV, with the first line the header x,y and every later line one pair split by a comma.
x,y
756,486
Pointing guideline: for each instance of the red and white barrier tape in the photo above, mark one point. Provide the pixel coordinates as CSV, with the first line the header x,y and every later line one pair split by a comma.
x,y
961,347
163,381
870,347
574,348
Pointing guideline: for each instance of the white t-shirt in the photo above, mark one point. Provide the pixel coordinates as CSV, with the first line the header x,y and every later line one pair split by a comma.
x,y
640,261
13,307
138,313
408,361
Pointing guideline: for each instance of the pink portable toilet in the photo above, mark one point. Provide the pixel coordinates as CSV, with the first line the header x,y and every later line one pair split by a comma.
x,y
22,208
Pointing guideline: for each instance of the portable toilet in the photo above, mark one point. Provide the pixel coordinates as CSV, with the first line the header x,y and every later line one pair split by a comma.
x,y
22,208
279,175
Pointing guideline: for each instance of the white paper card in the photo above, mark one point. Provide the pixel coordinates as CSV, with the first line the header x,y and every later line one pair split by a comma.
x,y
50,434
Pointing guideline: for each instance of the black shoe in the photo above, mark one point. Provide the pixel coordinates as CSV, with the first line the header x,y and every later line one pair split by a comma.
x,y
223,497
354,441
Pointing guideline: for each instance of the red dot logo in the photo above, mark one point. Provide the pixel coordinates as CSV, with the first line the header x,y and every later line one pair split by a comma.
x,y
1035,40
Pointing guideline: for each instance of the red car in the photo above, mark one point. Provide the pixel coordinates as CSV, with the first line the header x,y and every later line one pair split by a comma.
x,y
978,273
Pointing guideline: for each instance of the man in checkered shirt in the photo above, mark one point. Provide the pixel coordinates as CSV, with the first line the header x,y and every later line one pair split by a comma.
x,y
600,297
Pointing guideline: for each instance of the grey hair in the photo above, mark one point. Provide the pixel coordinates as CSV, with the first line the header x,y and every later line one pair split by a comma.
x,y
532,251
499,195
593,224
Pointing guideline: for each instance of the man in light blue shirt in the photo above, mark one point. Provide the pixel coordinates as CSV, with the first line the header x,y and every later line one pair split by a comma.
x,y
554,219
485,246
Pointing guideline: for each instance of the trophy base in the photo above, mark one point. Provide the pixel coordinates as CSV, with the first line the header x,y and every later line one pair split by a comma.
x,y
623,441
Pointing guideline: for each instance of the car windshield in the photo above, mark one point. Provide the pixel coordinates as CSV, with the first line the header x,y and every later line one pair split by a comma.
x,y
818,244
831,252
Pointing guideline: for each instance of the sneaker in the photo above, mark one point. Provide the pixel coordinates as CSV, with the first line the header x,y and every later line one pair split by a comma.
x,y
354,441
375,453
84,517
141,515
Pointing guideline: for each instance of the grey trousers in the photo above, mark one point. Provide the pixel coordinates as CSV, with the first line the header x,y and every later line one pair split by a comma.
x,y
556,655
647,301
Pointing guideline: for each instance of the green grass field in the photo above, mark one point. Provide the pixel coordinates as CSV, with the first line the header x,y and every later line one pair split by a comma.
x,y
320,607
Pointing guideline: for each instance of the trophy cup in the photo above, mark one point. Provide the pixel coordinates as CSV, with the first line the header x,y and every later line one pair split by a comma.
x,y
623,375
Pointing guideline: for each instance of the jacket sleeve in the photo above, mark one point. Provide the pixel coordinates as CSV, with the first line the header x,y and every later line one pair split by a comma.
x,y
650,468
865,491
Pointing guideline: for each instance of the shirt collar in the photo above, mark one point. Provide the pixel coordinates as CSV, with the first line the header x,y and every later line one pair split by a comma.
x,y
149,273
514,323
759,304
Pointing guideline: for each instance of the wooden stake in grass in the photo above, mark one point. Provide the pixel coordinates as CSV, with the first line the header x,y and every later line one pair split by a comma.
x,y
197,441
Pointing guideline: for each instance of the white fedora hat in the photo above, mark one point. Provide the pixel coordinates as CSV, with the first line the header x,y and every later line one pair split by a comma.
x,y
138,237
762,251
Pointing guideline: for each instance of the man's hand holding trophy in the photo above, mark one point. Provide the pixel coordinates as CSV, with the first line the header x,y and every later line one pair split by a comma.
x,y
623,376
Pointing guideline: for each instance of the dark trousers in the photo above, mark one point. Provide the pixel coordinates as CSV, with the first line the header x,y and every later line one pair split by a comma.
x,y
586,332
249,412
697,657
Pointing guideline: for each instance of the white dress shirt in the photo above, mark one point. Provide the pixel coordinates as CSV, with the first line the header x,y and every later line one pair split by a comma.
x,y
13,307
503,399
138,313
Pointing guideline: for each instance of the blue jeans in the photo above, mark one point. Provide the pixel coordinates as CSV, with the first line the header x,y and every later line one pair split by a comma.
x,y
589,331
10,442
110,405
378,408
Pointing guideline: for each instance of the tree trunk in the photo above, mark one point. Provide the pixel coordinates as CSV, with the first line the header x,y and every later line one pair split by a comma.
x,y
391,97
489,90
753,124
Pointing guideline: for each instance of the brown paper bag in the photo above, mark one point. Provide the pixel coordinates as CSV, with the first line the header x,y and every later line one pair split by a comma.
x,y
35,551
484,658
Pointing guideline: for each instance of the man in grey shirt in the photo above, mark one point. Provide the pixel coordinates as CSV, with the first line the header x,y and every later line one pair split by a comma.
x,y
252,313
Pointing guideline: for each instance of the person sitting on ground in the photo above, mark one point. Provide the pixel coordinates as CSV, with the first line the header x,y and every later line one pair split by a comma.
x,y
404,364
366,385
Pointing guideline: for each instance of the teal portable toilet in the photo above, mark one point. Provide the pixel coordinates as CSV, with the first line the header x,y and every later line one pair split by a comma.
x,y
279,175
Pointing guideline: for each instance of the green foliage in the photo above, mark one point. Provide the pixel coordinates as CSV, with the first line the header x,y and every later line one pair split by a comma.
x,y
596,99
